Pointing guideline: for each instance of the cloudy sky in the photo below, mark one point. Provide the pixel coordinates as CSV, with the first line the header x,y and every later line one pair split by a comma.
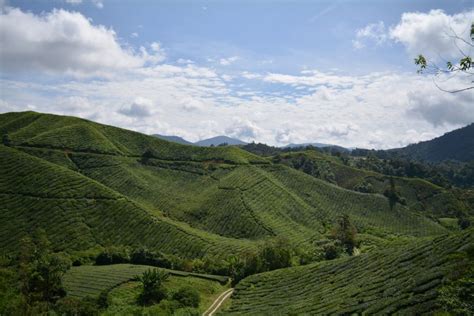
x,y
277,72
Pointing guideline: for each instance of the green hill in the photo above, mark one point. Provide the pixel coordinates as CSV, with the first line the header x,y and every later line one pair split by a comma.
x,y
419,194
92,185
403,280
455,145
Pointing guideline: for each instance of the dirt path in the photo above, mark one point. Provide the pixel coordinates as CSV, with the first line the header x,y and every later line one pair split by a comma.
x,y
218,302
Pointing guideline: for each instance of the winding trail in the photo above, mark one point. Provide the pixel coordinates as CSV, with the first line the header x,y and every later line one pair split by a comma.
x,y
218,302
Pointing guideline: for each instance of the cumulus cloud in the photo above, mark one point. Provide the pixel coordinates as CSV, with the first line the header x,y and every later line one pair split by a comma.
x,y
374,32
243,129
65,42
141,107
431,33
74,1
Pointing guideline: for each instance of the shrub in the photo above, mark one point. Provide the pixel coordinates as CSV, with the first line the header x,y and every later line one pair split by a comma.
x,y
144,256
113,255
187,297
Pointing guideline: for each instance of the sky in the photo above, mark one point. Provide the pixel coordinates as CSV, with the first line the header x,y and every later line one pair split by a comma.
x,y
277,72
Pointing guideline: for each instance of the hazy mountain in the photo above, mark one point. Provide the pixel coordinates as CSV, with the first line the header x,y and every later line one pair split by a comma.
x,y
175,139
219,140
456,145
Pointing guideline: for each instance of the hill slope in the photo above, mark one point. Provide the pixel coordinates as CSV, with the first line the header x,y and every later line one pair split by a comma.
x,y
402,281
456,145
180,199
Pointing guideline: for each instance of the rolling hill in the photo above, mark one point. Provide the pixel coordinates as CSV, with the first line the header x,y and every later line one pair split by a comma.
x,y
403,280
92,185
455,145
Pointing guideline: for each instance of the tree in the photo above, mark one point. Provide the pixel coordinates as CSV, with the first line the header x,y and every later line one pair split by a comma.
x,y
41,271
153,290
346,233
463,66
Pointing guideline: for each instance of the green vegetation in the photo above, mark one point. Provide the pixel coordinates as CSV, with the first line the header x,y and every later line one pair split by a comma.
x,y
127,202
401,280
119,285
204,200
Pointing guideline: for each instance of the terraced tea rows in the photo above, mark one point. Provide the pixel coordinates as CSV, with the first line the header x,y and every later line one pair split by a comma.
x,y
101,189
92,280
367,210
78,213
402,280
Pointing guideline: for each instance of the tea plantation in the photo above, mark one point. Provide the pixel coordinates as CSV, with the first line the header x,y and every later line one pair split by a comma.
x,y
403,280
89,184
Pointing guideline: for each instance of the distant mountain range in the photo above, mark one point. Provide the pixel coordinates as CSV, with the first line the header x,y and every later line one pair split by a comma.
x,y
455,145
213,141
218,140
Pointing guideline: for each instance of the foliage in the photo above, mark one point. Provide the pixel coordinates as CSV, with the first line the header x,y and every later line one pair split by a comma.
x,y
40,270
462,66
345,233
187,297
153,290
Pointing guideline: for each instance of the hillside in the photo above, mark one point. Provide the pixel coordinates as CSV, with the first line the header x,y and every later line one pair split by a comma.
x,y
455,145
204,200
403,280
417,193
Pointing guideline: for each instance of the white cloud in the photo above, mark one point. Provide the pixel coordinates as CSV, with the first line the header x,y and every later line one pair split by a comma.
x,y
65,42
373,33
74,1
228,61
243,129
250,75
428,33
431,33
134,35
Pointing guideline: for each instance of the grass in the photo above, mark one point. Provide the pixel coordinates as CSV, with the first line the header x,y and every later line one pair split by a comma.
x,y
401,280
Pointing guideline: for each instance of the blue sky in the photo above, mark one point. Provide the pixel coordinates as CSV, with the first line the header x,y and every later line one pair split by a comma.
x,y
269,71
